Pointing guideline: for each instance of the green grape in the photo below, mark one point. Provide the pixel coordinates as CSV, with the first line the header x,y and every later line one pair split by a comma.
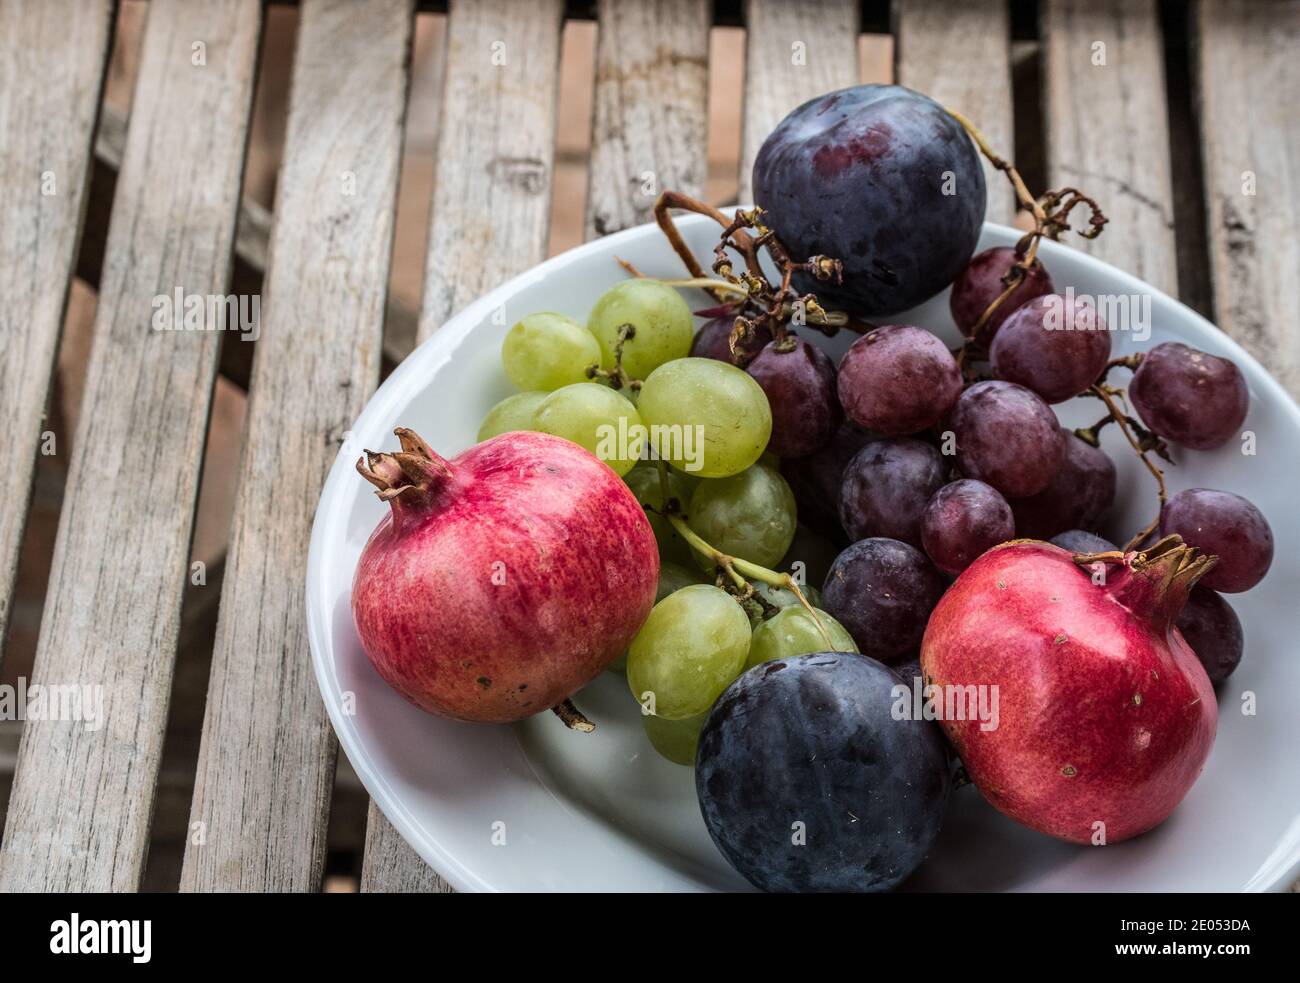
x,y
644,482
705,417
660,316
546,351
693,644
512,413
672,577
782,597
750,515
676,740
792,631
597,418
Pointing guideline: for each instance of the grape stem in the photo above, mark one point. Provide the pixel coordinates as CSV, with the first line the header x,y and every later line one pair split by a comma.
x,y
1051,215
617,377
1103,393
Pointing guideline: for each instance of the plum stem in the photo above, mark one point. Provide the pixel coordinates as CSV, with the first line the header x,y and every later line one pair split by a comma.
x,y
572,717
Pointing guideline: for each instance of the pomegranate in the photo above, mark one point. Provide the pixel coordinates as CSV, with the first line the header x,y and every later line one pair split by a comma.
x,y
504,580
1104,713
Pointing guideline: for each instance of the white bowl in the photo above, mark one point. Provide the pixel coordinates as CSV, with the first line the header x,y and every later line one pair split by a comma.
x,y
534,807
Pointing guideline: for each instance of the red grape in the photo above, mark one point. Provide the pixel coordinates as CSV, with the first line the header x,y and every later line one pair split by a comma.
x,y
962,521
980,284
886,487
1008,437
1213,630
1189,397
1078,495
713,341
1227,526
1054,345
882,591
898,379
817,478
800,387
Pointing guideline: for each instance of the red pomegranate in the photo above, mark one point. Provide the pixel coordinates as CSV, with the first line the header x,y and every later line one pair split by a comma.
x,y
504,580
1105,715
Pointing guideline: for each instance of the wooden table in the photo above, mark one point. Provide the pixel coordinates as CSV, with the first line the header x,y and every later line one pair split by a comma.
x,y
1190,140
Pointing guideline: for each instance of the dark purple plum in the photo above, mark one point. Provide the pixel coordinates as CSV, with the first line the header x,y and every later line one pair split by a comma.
x,y
1054,345
1187,396
962,521
882,591
807,782
713,340
800,387
1079,541
817,478
980,284
1227,526
886,488
1213,630
1078,495
898,379
1007,437
881,178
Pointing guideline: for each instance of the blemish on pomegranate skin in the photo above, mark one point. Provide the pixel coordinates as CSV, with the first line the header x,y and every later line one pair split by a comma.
x,y
484,682
1137,699
1002,585
1069,771
1060,640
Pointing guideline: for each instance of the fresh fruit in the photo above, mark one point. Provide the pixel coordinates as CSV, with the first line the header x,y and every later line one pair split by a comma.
x,y
898,379
1055,345
750,515
546,351
886,488
597,418
781,597
1226,525
883,591
693,644
501,581
980,283
807,782
881,178
676,740
1079,493
1007,437
706,418
792,631
1189,397
713,340
672,578
963,520
800,388
816,479
512,413
644,482
662,327
1105,716
1212,629
1079,542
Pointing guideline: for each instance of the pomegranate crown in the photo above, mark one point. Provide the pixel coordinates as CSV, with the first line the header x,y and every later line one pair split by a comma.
x,y
412,472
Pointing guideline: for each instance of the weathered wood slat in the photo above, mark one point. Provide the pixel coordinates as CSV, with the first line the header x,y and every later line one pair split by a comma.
x,y
52,58
650,126
1108,128
266,764
82,799
1248,81
488,222
793,52
960,55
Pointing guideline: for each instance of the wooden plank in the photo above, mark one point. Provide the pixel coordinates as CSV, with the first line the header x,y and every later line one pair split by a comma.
x,y
489,221
52,58
496,150
650,118
266,764
82,799
959,54
793,52
1248,81
1108,128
